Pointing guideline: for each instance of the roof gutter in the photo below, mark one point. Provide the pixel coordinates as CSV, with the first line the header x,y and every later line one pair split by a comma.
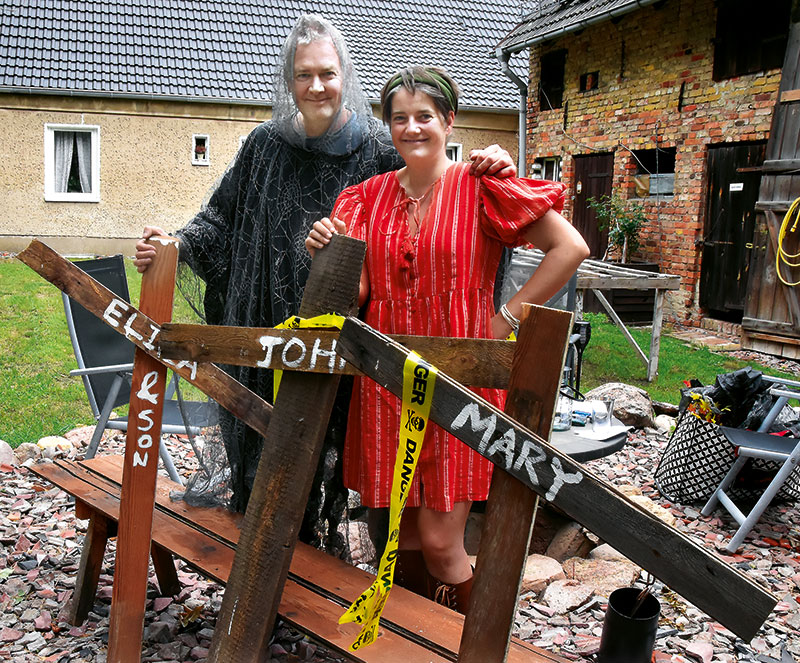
x,y
579,25
503,58
13,89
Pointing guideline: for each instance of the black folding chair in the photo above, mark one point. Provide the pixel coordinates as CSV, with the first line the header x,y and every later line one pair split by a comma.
x,y
105,363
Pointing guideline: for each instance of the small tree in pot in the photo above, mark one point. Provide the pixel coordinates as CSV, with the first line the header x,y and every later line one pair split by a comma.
x,y
624,220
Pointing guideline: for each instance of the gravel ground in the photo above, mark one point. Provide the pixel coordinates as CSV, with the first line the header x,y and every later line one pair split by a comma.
x,y
40,543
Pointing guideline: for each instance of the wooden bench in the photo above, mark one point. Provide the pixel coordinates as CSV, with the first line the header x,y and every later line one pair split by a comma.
x,y
319,589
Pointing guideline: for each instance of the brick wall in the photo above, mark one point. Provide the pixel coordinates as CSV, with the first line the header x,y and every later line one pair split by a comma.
x,y
655,88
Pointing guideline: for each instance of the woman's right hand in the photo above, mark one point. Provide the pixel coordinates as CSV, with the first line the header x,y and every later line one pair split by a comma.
x,y
321,233
144,251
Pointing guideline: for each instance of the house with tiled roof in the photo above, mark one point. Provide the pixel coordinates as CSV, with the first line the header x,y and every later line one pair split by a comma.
x,y
156,97
668,104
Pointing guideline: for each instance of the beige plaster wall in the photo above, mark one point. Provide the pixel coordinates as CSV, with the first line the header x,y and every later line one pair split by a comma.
x,y
146,170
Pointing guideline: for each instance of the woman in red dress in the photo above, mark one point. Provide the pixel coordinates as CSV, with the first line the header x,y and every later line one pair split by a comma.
x,y
434,238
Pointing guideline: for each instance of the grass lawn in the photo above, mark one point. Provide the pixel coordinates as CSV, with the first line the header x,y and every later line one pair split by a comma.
x,y
610,358
38,397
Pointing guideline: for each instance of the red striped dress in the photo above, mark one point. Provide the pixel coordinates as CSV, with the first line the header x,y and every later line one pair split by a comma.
x,y
439,283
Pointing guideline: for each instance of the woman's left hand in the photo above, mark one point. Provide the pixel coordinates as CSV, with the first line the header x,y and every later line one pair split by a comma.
x,y
492,160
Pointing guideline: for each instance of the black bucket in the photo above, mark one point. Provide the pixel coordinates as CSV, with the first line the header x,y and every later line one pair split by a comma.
x,y
629,639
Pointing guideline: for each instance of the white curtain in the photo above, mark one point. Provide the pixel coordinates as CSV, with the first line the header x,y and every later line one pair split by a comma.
x,y
63,142
83,140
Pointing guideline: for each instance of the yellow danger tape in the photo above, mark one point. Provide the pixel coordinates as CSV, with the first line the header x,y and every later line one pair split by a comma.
x,y
329,320
419,379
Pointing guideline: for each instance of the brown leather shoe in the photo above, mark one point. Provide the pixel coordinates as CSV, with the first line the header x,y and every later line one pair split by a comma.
x,y
455,597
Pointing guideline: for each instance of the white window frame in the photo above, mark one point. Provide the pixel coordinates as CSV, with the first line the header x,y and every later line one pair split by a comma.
x,y
457,149
540,167
195,160
50,194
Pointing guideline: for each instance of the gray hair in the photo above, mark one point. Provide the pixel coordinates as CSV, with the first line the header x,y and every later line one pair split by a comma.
x,y
308,29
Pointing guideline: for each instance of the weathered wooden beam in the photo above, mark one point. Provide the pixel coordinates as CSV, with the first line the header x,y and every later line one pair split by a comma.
x,y
715,587
143,332
283,479
475,362
532,392
138,493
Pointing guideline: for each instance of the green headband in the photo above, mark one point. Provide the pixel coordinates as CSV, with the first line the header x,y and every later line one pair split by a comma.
x,y
434,78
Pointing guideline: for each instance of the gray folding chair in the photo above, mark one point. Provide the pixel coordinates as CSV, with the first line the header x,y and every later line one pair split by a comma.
x,y
758,444
105,363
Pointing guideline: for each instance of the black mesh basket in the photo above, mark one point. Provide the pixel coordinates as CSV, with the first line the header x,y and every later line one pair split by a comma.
x,y
697,458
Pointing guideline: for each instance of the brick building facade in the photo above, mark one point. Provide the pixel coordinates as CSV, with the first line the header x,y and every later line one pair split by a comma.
x,y
643,81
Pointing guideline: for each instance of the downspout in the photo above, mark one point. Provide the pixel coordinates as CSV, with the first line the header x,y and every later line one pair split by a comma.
x,y
503,57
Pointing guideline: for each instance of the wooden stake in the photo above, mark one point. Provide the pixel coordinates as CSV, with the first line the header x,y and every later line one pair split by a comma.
x,y
137,496
535,379
283,480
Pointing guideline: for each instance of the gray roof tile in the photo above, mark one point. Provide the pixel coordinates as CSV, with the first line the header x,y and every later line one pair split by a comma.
x,y
553,17
228,49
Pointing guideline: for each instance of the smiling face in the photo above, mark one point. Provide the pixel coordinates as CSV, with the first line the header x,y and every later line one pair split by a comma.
x,y
419,132
317,84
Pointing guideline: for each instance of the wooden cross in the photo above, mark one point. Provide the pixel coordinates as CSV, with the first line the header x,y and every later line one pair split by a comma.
x,y
268,534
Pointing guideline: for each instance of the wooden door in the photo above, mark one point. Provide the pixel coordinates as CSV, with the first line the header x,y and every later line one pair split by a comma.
x,y
728,228
593,178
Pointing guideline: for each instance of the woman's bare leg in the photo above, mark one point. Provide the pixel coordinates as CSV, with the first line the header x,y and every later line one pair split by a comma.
x,y
441,535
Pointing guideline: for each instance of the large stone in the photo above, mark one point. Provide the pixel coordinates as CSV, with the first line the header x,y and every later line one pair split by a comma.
x,y
540,571
603,576
27,451
566,595
632,406
634,494
7,456
606,552
569,541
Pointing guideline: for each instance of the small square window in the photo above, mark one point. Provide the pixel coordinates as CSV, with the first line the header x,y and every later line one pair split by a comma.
x,y
454,151
589,81
548,168
199,150
71,163
655,172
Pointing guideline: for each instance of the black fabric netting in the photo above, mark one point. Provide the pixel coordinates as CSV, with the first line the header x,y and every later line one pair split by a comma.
x,y
697,458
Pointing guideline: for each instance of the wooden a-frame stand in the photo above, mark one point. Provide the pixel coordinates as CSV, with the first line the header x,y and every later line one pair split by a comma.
x,y
515,441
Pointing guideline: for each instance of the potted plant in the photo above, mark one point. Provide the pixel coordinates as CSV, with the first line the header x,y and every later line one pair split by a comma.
x,y
624,220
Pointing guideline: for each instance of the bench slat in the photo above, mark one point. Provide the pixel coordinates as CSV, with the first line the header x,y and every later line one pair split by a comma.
x,y
319,588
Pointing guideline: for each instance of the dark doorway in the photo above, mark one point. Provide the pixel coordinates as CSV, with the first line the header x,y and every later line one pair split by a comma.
x,y
593,177
728,227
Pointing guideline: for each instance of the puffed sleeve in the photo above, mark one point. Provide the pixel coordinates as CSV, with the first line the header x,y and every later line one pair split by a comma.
x,y
349,207
509,205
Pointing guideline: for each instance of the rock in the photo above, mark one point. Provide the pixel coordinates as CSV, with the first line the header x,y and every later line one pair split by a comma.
x,y
7,456
540,571
665,424
602,576
566,595
27,451
157,632
632,406
657,510
607,553
54,442
10,634
43,622
569,541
